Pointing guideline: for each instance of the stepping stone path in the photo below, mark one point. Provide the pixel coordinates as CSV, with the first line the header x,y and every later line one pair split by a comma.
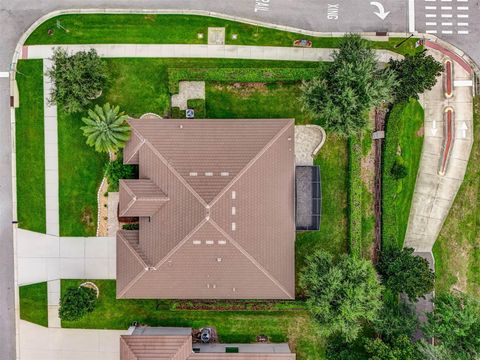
x,y
216,36
188,90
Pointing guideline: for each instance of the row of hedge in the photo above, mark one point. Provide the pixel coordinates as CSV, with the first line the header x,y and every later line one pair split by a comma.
x,y
239,75
355,195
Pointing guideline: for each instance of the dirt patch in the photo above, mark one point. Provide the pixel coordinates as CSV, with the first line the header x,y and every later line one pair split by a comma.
x,y
87,217
102,229
243,89
421,132
367,172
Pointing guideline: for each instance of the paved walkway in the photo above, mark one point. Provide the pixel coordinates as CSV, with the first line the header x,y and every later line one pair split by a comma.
x,y
42,257
188,90
434,194
308,141
51,156
197,51
40,343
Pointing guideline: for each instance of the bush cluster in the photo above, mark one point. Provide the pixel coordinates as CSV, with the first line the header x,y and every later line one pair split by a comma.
x,y
239,75
116,170
76,303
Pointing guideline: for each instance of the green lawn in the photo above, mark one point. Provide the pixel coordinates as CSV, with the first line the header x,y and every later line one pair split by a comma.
x,y
80,171
33,303
173,29
457,250
30,151
332,235
404,140
294,326
255,100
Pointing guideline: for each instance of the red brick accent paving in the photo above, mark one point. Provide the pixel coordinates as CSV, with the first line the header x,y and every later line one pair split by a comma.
x,y
452,55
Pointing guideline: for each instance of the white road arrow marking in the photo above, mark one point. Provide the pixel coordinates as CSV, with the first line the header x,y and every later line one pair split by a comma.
x,y
381,10
464,129
434,128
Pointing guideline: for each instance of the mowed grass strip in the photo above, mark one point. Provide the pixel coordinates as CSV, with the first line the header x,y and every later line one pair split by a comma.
x,y
232,326
404,139
332,236
30,148
80,171
457,249
176,29
33,303
255,100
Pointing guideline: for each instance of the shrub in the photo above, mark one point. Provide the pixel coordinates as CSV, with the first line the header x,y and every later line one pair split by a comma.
x,y
77,79
398,170
130,226
116,170
77,302
404,272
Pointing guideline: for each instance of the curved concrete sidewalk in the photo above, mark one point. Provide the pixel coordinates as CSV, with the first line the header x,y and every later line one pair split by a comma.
x,y
434,194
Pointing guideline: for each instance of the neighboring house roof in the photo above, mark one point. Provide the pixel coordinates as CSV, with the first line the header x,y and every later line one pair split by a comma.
x,y
179,347
216,205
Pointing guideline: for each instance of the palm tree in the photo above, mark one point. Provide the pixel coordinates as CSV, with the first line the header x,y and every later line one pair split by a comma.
x,y
106,129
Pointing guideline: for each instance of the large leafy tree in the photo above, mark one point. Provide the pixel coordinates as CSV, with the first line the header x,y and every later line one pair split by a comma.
x,y
106,128
455,325
353,84
415,74
341,295
404,272
78,79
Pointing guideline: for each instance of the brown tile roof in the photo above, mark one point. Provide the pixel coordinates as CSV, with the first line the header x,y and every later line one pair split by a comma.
x,y
152,347
140,198
228,227
179,347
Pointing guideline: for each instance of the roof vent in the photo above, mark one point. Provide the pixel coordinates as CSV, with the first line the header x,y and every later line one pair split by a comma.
x,y
209,242
222,242
196,242
219,259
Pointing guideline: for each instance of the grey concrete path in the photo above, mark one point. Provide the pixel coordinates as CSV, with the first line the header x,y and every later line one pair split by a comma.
x,y
40,343
198,51
434,194
188,90
53,297
42,257
51,156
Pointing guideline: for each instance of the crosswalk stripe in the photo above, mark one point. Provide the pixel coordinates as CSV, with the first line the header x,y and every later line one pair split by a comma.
x,y
463,32
462,15
431,23
462,24
462,7
447,24
446,31
431,31
446,15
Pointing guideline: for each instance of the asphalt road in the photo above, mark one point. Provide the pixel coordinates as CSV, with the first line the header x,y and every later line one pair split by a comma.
x,y
318,15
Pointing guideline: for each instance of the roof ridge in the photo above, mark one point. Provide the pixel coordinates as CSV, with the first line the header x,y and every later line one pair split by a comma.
x,y
138,257
130,204
251,162
174,172
137,148
180,244
127,345
251,258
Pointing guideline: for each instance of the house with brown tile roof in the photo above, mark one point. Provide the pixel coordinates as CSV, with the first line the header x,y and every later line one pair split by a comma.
x,y
176,344
215,200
